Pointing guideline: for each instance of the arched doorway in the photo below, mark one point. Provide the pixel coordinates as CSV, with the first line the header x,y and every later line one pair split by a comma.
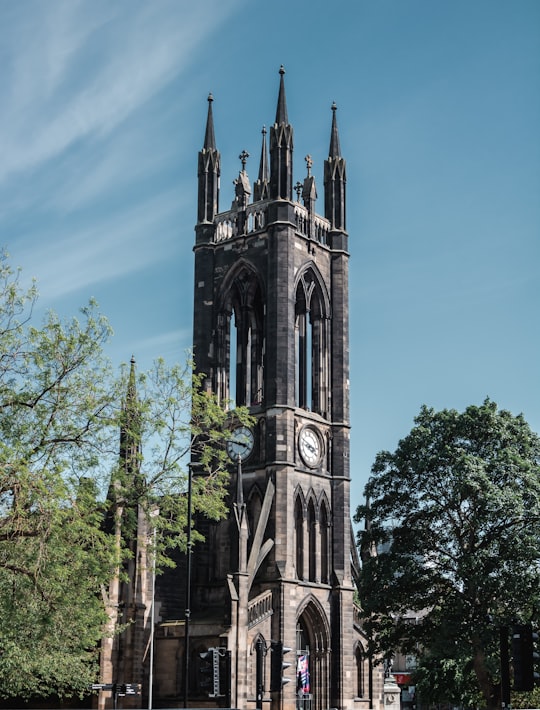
x,y
313,658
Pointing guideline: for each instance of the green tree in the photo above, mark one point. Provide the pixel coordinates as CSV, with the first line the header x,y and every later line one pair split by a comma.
x,y
452,539
61,410
56,412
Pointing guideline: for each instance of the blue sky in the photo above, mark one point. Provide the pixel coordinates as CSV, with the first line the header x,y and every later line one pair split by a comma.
x,y
103,112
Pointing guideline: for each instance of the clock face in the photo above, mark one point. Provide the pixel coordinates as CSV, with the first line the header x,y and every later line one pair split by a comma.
x,y
240,444
310,447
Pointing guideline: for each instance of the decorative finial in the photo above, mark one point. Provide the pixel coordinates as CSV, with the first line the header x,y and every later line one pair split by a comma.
x,y
282,70
309,163
244,155
263,130
335,150
210,98
298,188
133,359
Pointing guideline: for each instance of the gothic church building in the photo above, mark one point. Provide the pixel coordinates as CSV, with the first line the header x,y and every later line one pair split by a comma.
x,y
271,331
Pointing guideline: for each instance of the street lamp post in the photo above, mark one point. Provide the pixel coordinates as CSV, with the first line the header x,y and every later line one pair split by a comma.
x,y
187,613
153,514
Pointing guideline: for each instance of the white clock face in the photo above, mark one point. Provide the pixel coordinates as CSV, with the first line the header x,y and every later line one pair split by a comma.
x,y
310,446
240,444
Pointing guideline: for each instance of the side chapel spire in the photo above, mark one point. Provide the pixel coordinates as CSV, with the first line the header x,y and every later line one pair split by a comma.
x,y
126,520
130,431
281,149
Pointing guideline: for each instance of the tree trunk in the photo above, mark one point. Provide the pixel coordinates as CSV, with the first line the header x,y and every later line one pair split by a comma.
x,y
489,690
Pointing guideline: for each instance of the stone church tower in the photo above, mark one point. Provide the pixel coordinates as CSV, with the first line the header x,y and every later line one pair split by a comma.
x,y
271,332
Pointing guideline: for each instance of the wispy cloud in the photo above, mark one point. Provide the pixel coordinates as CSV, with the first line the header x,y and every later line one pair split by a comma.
x,y
101,250
113,167
74,69
81,202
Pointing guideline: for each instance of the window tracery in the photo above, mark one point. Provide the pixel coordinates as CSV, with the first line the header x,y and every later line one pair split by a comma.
x,y
240,338
312,339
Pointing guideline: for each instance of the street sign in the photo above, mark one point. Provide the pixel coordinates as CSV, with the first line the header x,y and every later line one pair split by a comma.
x,y
119,688
133,688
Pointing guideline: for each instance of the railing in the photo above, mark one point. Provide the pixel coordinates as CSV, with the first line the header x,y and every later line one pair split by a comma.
x,y
260,608
235,223
312,226
227,223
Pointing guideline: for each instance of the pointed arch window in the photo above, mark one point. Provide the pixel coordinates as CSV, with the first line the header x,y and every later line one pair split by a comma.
x,y
361,671
312,532
311,345
241,347
299,537
312,640
323,524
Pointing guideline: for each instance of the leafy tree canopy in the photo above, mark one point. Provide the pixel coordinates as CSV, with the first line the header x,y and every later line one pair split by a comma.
x,y
61,411
451,546
56,414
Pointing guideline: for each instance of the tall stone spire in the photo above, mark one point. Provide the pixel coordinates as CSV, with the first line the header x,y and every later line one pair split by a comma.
x,y
209,136
132,385
208,172
281,111
335,179
130,431
334,150
281,149
261,187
